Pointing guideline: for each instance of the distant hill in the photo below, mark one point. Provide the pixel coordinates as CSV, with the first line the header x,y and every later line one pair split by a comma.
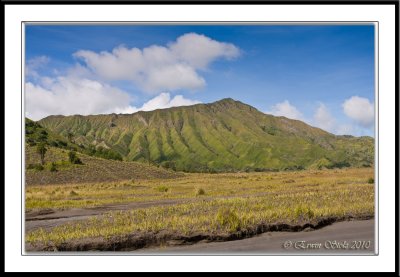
x,y
226,135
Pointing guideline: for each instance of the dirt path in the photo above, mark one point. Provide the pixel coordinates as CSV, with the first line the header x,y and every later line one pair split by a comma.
x,y
50,218
340,236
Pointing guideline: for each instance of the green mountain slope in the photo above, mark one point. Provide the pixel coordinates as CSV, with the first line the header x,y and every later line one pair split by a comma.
x,y
226,135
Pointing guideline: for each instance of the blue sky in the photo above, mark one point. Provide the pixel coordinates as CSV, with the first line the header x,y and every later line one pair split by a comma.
x,y
323,75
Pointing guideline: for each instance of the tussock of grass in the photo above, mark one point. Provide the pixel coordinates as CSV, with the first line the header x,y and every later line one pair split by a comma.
x,y
228,219
73,193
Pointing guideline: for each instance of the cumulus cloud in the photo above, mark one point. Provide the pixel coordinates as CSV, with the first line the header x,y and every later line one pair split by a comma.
x,y
286,109
70,95
161,101
67,96
164,100
324,119
90,87
199,51
360,110
157,68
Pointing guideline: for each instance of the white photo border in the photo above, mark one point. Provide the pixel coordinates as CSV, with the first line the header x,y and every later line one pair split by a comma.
x,y
15,15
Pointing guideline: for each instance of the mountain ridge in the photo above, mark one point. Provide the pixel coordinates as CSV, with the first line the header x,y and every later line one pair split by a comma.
x,y
225,135
224,100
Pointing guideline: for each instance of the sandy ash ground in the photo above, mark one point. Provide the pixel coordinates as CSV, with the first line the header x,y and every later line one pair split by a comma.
x,y
348,237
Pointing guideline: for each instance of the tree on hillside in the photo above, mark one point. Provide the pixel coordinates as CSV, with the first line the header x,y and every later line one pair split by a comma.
x,y
41,150
70,137
73,158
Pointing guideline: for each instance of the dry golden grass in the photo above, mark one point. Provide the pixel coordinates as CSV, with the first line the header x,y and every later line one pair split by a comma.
x,y
227,203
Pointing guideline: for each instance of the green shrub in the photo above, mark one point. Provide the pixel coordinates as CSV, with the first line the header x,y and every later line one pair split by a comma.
x,y
102,152
61,143
162,188
270,130
169,165
340,164
53,143
42,136
53,167
73,193
200,191
37,167
31,141
371,180
73,158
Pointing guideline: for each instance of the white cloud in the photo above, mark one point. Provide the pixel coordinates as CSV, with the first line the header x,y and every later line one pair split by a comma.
x,y
326,121
69,95
172,77
85,88
157,68
199,50
164,100
361,110
323,119
286,109
34,64
161,101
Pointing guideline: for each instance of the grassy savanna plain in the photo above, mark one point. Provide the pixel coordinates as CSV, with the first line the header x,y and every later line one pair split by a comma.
x,y
202,206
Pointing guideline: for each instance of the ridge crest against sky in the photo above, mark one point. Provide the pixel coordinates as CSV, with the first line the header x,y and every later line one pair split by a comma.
x,y
322,75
